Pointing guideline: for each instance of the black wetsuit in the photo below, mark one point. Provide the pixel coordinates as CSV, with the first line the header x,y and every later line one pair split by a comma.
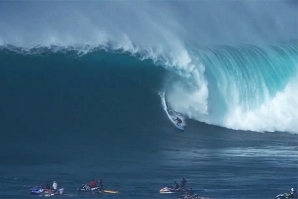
x,y
176,185
100,184
183,182
179,121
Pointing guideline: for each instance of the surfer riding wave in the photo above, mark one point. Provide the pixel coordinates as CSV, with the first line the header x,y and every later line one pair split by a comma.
x,y
173,116
179,121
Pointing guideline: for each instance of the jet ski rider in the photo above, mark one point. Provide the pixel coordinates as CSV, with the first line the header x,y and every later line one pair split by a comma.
x,y
176,185
183,182
54,186
100,184
92,184
293,193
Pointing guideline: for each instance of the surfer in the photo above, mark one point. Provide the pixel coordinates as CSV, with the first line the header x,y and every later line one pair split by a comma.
x,y
179,121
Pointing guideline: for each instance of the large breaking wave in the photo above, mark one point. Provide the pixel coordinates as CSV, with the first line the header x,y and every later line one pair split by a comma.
x,y
244,87
212,76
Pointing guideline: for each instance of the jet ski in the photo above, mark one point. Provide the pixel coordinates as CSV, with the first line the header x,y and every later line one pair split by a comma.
x,y
87,188
39,190
172,190
36,190
180,190
285,196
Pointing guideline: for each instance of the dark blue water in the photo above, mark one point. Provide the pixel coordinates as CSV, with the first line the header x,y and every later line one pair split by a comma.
x,y
70,119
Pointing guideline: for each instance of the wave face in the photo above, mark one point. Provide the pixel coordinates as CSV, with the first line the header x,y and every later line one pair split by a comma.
x,y
232,65
244,87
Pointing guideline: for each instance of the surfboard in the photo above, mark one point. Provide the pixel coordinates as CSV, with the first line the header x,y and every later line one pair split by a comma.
x,y
172,114
179,126
110,191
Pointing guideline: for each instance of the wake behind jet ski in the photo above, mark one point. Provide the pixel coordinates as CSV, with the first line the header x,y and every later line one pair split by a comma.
x,y
191,195
195,196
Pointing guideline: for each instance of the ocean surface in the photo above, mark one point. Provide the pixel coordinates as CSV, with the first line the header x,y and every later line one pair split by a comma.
x,y
86,90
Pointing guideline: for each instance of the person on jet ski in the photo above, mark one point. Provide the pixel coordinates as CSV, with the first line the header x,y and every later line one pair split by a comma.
x,y
100,183
179,121
61,191
54,185
175,185
293,193
92,184
183,182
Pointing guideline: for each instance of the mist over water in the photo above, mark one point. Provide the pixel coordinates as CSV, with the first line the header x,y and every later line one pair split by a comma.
x,y
146,24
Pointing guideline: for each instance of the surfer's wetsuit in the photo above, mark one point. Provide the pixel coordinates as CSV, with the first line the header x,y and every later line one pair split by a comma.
x,y
179,121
